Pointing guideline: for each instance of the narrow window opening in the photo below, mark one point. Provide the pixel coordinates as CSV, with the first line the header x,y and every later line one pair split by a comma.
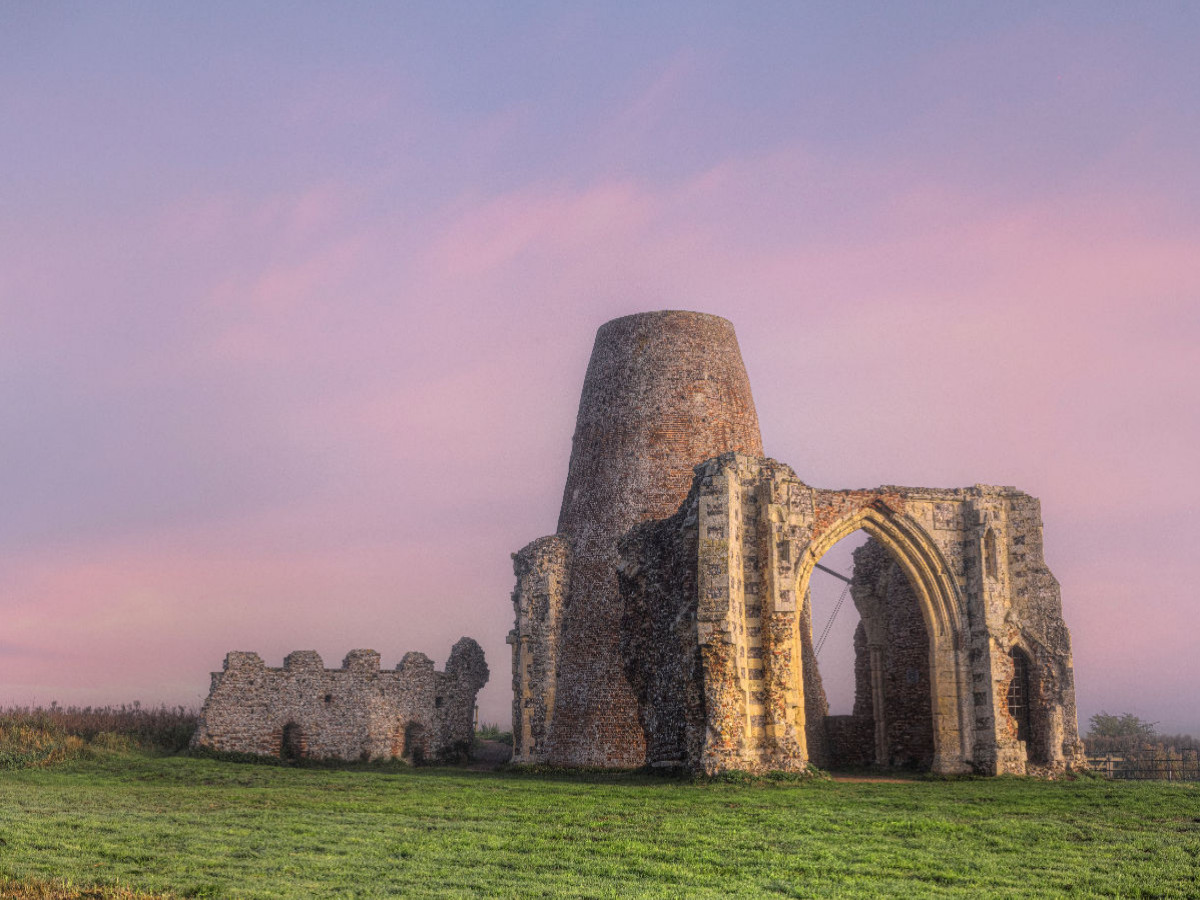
x,y
437,702
989,553
1018,694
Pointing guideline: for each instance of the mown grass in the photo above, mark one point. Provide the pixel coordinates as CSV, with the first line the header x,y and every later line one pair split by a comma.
x,y
200,827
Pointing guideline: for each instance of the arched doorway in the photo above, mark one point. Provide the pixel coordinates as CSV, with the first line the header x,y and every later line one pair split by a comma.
x,y
909,703
871,656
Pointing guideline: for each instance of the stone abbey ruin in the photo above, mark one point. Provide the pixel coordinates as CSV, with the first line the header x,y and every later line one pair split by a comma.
x,y
357,712
667,621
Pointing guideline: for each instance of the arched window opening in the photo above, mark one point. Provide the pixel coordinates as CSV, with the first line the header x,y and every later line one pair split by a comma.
x,y
292,745
1018,694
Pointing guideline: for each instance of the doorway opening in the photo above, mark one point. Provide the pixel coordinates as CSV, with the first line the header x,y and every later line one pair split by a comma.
x,y
868,697
292,745
414,743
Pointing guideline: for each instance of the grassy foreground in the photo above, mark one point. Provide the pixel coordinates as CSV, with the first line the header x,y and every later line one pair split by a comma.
x,y
198,827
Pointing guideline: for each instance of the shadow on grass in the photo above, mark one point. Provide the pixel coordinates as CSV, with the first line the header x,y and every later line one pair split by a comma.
x,y
508,771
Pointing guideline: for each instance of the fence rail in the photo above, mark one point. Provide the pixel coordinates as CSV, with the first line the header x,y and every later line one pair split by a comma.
x,y
1136,767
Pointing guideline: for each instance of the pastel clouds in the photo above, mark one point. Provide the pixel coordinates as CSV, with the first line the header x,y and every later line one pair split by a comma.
x,y
319,400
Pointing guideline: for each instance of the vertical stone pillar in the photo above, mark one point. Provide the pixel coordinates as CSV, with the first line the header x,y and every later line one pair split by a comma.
x,y
717,627
781,643
997,750
543,577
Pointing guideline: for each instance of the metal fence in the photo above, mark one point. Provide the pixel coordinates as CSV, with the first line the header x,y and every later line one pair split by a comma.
x,y
1161,766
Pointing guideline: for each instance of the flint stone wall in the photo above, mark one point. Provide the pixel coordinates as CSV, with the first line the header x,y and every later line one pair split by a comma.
x,y
954,581
668,619
357,712
663,392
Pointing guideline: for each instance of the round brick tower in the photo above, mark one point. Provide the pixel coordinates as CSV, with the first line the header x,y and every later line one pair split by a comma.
x,y
664,391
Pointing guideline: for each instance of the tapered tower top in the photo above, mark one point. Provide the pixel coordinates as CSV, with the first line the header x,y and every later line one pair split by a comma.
x,y
664,391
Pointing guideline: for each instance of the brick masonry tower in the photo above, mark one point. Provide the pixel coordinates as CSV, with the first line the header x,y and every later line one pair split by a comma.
x,y
664,391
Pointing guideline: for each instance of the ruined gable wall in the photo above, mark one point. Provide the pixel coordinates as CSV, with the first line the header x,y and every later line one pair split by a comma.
x,y
1022,608
355,712
759,527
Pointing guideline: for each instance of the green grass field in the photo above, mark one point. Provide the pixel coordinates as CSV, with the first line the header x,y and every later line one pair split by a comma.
x,y
198,827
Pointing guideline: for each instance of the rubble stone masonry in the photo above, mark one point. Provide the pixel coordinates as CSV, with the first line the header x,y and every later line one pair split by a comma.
x,y
668,619
663,391
357,712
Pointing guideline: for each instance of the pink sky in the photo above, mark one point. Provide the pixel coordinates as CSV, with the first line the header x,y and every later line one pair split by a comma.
x,y
295,308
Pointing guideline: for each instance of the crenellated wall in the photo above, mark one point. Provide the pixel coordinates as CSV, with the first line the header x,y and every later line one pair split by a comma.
x,y
357,712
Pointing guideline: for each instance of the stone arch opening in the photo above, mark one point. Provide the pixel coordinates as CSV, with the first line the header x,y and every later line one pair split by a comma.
x,y
292,744
929,727
868,688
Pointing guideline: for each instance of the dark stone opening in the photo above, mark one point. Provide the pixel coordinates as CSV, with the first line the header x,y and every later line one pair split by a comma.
x,y
891,675
292,746
1024,708
414,743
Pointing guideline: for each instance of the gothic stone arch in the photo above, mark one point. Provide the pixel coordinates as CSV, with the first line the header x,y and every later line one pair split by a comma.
x,y
937,595
717,647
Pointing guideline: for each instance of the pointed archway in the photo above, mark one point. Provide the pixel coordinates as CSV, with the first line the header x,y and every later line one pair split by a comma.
x,y
938,598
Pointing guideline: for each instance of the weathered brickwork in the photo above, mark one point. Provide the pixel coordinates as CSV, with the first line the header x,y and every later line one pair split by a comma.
x,y
663,391
668,622
357,712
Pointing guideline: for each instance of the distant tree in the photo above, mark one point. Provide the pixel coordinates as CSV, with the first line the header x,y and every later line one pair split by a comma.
x,y
1126,725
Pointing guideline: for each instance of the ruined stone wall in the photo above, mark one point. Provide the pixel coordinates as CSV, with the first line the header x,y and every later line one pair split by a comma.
x,y
1021,607
658,637
543,570
703,613
357,712
941,605
663,391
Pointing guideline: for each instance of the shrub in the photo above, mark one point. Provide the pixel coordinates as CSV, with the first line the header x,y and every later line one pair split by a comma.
x,y
38,736
492,732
